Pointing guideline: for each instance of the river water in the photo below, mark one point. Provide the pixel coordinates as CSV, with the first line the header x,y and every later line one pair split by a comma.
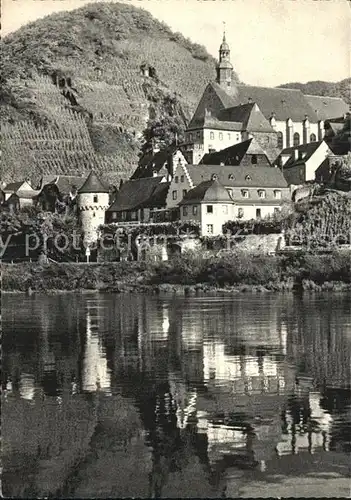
x,y
150,396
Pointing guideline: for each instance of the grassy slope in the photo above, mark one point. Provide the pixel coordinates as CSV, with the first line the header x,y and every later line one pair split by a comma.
x,y
332,89
100,47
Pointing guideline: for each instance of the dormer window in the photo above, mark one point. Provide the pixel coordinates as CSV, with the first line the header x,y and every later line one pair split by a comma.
x,y
231,177
245,193
214,177
248,178
261,193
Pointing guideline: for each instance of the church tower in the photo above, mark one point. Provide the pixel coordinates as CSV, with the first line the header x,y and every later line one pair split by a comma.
x,y
224,66
93,201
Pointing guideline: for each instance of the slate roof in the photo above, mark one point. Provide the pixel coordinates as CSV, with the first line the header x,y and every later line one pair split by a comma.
x,y
93,185
309,149
154,161
249,115
207,191
285,103
223,100
238,176
12,187
233,155
140,193
327,107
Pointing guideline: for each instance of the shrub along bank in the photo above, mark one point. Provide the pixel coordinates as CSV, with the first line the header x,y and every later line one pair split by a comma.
x,y
233,270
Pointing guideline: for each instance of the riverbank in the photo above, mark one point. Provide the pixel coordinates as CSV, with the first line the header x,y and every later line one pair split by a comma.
x,y
187,274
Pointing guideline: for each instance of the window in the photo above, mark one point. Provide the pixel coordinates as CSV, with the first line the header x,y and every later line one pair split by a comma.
x,y
258,213
261,193
114,215
214,177
220,136
209,228
228,136
211,135
240,213
133,216
280,140
182,178
245,193
254,159
176,179
209,209
198,135
296,139
190,137
313,138
94,214
238,137
174,195
276,210
195,210
185,210
124,215
184,192
225,209
96,199
277,194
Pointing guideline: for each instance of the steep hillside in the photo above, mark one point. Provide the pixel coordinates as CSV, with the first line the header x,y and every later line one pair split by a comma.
x,y
81,89
332,89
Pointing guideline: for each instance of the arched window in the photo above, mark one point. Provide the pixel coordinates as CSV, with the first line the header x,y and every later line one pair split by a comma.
x,y
211,135
296,139
280,141
313,138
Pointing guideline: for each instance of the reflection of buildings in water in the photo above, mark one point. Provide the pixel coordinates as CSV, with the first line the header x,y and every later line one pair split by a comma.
x,y
96,374
246,374
306,428
27,386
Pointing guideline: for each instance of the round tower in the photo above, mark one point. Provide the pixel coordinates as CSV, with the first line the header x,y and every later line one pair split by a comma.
x,y
93,201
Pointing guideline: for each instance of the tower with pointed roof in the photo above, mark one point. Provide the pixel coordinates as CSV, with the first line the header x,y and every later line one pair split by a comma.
x,y
93,201
224,66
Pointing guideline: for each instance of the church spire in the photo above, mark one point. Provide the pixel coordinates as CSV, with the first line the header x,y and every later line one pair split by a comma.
x,y
224,67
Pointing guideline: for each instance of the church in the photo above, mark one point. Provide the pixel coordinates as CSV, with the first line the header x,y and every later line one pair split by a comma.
x,y
277,118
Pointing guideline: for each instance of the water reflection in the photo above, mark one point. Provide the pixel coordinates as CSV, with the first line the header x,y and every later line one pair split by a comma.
x,y
165,396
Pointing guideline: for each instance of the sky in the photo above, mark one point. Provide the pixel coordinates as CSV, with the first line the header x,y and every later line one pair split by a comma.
x,y
271,41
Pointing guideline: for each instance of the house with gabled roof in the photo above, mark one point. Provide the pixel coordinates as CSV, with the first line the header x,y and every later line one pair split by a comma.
x,y
56,189
296,118
139,200
14,187
215,194
305,163
159,162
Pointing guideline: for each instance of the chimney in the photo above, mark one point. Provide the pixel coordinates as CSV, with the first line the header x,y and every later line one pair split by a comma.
x,y
249,100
